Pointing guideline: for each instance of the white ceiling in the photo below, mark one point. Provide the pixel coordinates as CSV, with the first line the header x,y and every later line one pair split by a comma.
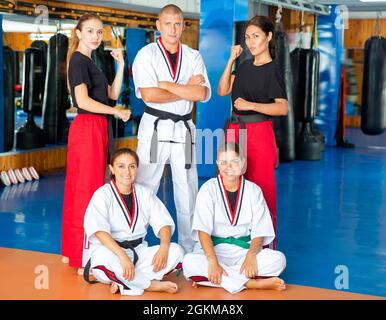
x,y
193,6
357,5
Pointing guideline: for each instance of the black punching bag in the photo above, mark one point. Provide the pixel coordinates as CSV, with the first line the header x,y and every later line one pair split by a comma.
x,y
240,39
373,111
40,77
56,100
297,63
9,97
106,63
29,135
285,125
306,84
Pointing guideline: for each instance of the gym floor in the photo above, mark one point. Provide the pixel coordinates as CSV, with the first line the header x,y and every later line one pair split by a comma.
x,y
331,221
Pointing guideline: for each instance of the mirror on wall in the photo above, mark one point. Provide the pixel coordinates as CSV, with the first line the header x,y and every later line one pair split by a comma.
x,y
28,124
353,64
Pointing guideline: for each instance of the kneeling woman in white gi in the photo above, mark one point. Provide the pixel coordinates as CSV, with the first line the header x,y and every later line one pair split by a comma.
x,y
232,223
116,223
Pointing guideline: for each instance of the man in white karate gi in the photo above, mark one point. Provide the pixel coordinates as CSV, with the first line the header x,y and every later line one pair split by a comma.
x,y
169,77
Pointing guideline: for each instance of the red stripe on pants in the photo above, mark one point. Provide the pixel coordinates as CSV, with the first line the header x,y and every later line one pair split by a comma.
x,y
261,159
85,173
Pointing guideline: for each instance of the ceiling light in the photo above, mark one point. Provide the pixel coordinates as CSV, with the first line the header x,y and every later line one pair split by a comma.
x,y
372,0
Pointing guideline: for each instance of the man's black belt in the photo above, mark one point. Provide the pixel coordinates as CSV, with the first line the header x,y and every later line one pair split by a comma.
x,y
132,244
164,115
242,119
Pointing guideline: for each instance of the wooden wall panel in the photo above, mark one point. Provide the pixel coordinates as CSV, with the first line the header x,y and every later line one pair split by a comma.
x,y
49,159
359,30
291,19
190,34
19,41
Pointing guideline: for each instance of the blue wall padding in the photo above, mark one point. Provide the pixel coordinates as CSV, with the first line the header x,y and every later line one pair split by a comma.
x,y
330,46
135,40
215,40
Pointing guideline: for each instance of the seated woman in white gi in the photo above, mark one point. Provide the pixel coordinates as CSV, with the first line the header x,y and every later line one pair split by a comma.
x,y
232,223
115,224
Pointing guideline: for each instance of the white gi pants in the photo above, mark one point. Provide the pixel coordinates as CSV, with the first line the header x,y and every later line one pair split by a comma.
x,y
185,182
270,263
106,267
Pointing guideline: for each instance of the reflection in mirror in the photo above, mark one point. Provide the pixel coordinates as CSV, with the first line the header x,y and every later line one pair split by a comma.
x,y
353,63
27,64
38,112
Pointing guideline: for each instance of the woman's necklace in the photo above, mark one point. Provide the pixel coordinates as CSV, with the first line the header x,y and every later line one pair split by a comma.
x,y
262,63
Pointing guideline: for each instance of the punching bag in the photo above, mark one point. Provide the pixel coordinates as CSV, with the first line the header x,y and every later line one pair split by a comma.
x,y
40,76
106,63
56,100
285,125
9,97
29,135
306,89
374,86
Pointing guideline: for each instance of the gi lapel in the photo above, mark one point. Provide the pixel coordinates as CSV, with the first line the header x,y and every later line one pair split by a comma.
x,y
233,215
174,72
131,217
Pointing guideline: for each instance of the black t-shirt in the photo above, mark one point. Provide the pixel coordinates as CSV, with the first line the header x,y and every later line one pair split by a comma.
x,y
83,70
232,196
260,84
173,58
129,201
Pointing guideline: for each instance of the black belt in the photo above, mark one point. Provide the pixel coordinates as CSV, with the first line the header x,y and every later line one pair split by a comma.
x,y
164,115
242,119
111,142
132,244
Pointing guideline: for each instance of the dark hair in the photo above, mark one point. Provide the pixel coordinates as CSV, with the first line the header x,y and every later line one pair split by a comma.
x,y
266,25
230,146
120,152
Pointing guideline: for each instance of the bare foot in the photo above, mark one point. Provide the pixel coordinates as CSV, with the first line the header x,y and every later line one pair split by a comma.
x,y
268,284
65,259
194,284
163,286
80,271
114,287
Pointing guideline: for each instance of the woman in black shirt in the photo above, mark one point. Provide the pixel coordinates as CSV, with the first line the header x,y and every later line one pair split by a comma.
x,y
88,137
258,93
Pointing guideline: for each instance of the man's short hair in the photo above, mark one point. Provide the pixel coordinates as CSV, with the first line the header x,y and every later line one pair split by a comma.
x,y
171,8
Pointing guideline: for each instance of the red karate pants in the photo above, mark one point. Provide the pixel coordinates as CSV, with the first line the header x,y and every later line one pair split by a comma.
x,y
261,159
86,164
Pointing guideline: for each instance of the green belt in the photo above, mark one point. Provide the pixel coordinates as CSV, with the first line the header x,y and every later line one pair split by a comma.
x,y
241,242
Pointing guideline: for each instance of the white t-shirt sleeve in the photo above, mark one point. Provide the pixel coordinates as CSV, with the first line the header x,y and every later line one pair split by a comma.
x,y
144,75
159,216
262,225
199,68
203,218
97,212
